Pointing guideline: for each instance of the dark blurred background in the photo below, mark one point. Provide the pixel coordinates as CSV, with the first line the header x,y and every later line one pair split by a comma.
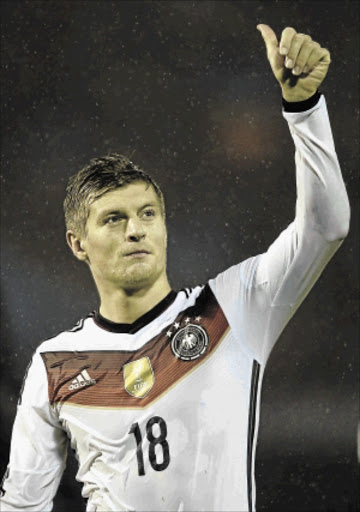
x,y
185,88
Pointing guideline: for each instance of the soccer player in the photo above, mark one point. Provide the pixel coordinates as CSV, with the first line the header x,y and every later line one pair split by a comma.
x,y
158,391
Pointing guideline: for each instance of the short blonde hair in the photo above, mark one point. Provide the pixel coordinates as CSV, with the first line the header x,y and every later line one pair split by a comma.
x,y
92,181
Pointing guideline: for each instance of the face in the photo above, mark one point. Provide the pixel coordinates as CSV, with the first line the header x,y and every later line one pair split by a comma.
x,y
126,239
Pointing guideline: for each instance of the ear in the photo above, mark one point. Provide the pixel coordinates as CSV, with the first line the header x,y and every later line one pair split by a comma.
x,y
76,245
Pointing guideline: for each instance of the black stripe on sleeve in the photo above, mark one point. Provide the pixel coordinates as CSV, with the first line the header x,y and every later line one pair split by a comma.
x,y
251,427
301,106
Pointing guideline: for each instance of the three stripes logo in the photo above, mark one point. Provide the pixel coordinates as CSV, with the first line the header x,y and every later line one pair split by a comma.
x,y
81,381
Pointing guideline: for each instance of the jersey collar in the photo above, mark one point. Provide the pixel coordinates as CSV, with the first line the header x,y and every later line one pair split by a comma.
x,y
143,320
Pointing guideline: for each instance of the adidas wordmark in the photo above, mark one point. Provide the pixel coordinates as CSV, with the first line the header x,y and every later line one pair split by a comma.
x,y
82,380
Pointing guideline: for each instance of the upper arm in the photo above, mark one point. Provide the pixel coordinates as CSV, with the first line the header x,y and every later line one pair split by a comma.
x,y
293,263
260,295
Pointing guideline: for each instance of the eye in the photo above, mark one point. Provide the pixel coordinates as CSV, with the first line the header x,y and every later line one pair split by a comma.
x,y
113,219
149,213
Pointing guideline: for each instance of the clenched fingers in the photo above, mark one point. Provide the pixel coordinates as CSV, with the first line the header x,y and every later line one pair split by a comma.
x,y
300,51
303,56
317,55
297,42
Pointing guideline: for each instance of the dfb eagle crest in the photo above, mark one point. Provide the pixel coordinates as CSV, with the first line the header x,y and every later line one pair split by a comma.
x,y
190,342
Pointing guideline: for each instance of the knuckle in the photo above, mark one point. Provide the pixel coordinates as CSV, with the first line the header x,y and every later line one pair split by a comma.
x,y
304,36
326,54
288,31
301,40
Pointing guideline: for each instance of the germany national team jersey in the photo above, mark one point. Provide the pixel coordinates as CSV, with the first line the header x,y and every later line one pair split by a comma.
x,y
163,414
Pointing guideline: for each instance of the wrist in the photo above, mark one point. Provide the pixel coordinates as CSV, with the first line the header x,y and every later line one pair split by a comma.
x,y
293,96
302,105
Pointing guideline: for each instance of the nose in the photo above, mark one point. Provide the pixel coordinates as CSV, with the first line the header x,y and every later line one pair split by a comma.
x,y
134,230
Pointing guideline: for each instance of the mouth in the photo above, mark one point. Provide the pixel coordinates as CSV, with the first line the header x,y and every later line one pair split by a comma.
x,y
137,254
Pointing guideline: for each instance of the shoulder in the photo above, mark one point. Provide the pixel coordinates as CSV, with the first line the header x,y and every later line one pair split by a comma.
x,y
67,339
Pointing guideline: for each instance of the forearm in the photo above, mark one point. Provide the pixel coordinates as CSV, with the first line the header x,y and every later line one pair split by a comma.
x,y
322,202
30,490
297,257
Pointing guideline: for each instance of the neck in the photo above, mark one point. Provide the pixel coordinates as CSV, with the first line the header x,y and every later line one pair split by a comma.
x,y
126,306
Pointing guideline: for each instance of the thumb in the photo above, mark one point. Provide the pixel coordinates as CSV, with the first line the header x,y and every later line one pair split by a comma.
x,y
276,60
269,37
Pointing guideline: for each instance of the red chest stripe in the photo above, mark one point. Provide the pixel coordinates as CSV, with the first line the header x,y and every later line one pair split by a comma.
x,y
96,378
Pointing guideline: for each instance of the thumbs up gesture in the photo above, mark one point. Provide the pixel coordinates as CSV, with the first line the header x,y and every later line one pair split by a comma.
x,y
298,63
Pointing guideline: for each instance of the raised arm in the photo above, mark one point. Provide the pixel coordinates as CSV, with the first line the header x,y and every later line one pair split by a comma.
x,y
38,448
261,294
322,208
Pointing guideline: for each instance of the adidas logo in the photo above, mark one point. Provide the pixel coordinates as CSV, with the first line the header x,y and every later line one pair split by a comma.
x,y
82,380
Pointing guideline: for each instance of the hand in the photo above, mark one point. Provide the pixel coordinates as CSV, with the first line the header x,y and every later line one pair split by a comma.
x,y
299,64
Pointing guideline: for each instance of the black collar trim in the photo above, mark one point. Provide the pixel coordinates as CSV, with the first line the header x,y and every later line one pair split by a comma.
x,y
143,320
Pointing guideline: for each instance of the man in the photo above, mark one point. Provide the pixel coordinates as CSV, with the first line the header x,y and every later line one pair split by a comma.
x,y
159,391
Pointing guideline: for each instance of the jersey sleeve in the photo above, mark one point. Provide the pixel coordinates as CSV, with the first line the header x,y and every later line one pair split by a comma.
x,y
261,294
38,447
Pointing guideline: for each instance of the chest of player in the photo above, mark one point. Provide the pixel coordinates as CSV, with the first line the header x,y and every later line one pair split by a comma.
x,y
174,410
194,363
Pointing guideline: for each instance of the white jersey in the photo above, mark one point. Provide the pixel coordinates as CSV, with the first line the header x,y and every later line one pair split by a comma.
x,y
163,415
